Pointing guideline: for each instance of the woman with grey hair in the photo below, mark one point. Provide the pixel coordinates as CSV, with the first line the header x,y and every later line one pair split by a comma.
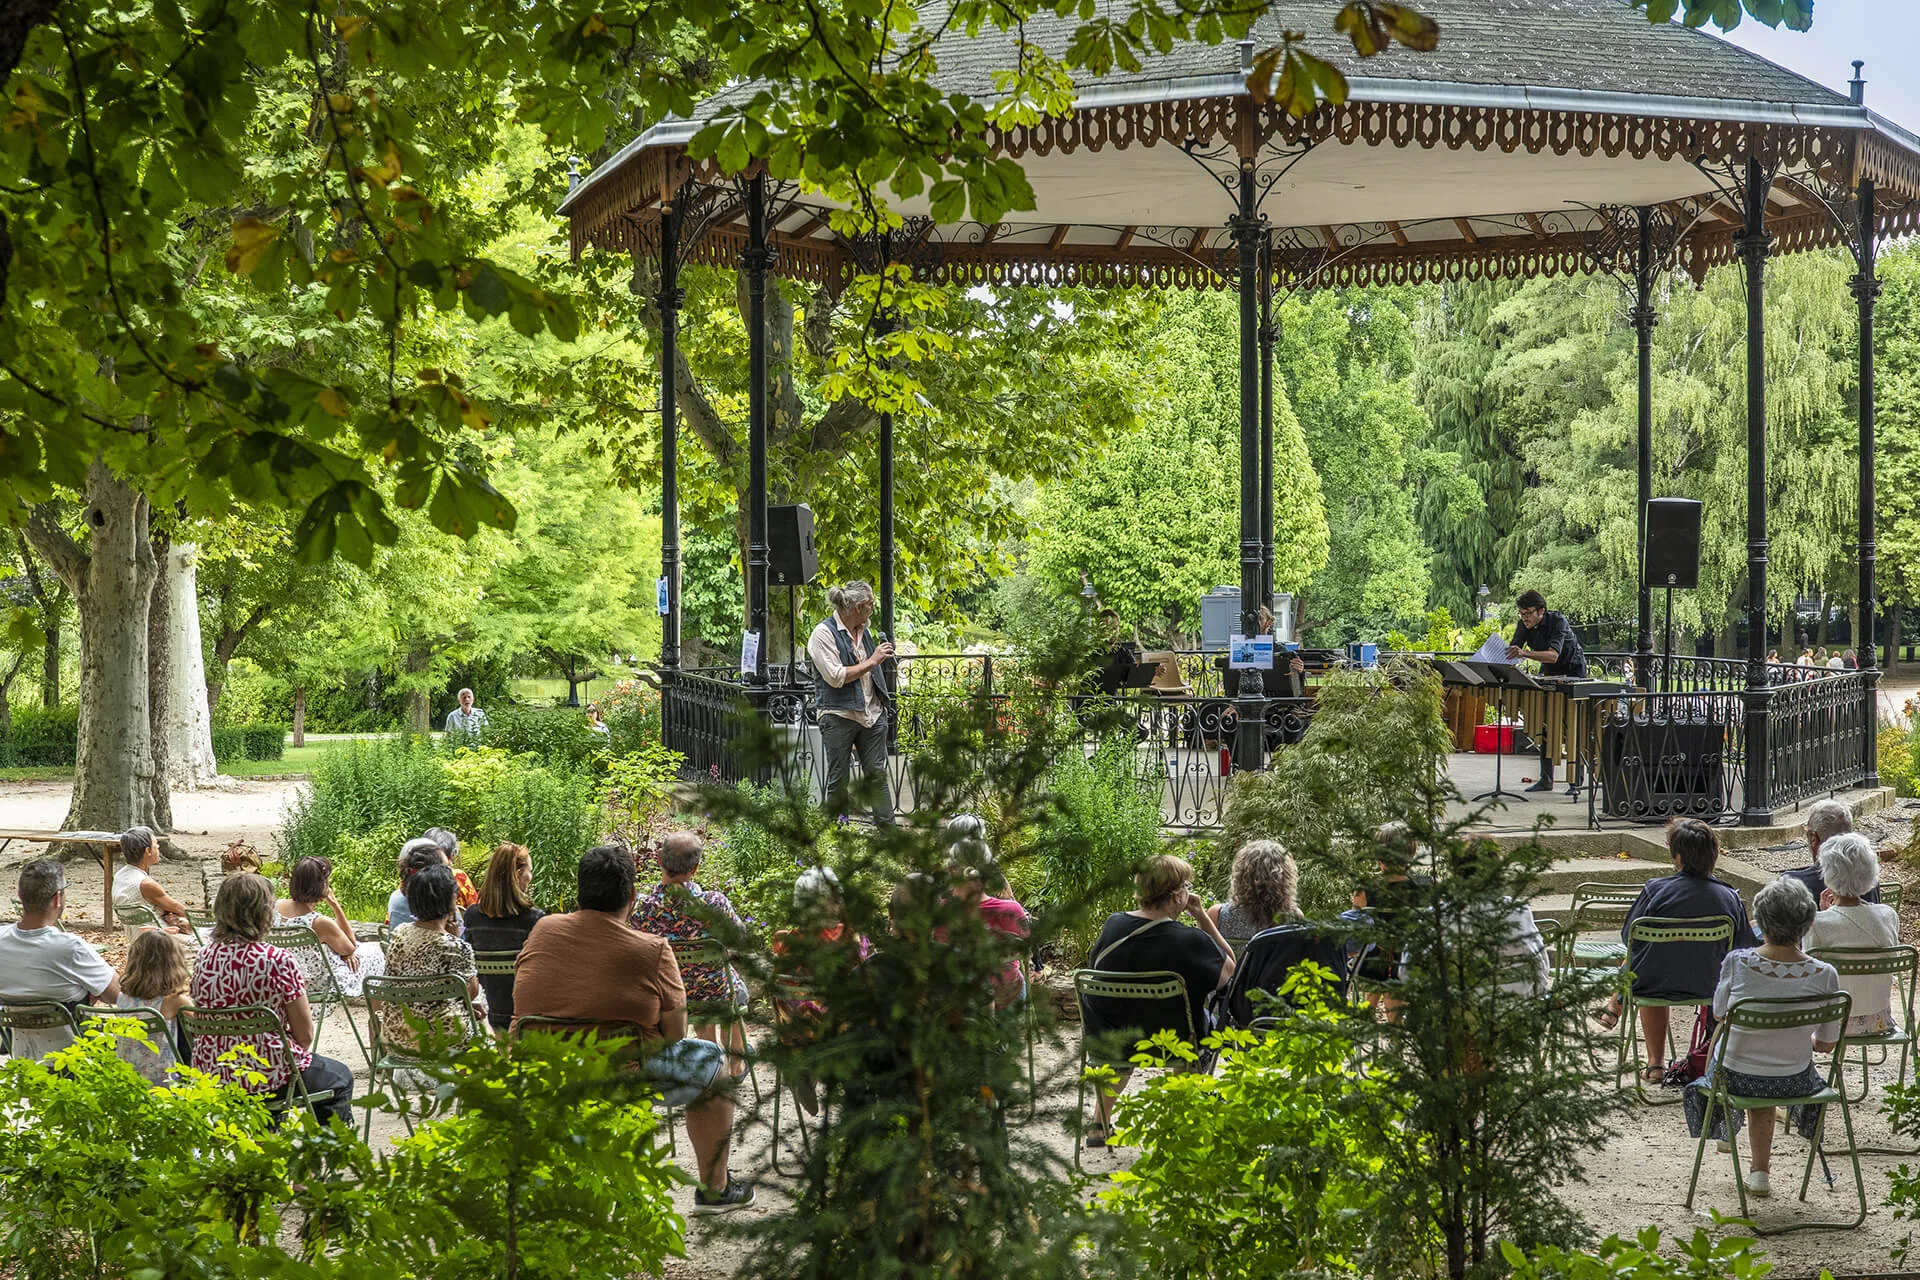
x,y
979,880
134,888
1769,1063
1851,870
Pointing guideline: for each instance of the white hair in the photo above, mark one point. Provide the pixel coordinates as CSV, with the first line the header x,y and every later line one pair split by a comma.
x,y
851,596
1783,911
1827,819
1849,865
816,889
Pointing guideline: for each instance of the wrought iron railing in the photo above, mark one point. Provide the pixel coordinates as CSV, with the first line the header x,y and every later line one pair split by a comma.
x,y
1820,736
1672,755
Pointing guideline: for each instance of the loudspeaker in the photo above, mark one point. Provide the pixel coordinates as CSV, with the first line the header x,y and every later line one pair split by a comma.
x,y
1671,557
790,558
1653,770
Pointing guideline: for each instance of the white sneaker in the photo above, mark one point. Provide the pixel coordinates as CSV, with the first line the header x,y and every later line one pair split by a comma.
x,y
1724,1146
1757,1184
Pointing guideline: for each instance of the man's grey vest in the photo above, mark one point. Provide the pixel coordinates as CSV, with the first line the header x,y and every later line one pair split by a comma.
x,y
850,696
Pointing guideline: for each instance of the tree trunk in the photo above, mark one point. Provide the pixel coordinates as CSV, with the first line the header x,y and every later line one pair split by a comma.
x,y
189,714
50,668
160,679
419,718
112,586
1826,616
299,715
213,697
1892,634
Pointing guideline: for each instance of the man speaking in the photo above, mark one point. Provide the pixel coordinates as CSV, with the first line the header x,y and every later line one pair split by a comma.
x,y
850,688
1548,639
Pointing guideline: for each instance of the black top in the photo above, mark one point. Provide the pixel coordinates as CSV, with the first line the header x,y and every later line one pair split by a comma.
x,y
1678,970
491,933
1816,885
1180,948
1120,664
1270,957
1389,902
1555,633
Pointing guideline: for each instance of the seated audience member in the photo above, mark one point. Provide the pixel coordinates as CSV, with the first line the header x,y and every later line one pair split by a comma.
x,y
1148,939
1680,970
821,933
1768,1063
1522,962
1384,901
1825,820
1852,871
426,948
464,894
133,887
678,909
979,880
589,965
349,962
238,967
416,855
1263,892
501,921
41,961
156,976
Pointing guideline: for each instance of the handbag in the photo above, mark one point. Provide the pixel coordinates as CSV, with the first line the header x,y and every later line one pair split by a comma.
x,y
1683,1071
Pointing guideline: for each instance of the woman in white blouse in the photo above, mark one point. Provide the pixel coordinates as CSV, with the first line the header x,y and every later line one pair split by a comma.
x,y
1851,871
133,887
1775,1063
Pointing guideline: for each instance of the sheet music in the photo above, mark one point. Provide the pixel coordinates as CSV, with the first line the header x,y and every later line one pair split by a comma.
x,y
1493,650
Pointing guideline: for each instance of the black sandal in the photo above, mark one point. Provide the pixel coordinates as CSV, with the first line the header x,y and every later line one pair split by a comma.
x,y
1607,1016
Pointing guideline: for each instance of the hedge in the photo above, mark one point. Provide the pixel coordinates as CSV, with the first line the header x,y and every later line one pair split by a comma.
x,y
249,742
44,737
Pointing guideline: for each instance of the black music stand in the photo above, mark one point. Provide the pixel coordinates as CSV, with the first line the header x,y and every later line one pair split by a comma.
x,y
1500,675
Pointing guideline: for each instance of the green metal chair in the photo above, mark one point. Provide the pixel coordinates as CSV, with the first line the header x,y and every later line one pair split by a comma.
x,y
1776,1014
1891,893
91,1015
1598,906
1154,987
403,995
32,1014
789,992
256,1020
494,964
1854,962
1660,931
323,989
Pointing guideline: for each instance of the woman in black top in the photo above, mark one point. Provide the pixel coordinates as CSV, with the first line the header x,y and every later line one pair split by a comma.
x,y
501,921
1145,940
1680,970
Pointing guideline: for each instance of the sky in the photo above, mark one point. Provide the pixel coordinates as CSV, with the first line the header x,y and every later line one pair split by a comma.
x,y
1883,32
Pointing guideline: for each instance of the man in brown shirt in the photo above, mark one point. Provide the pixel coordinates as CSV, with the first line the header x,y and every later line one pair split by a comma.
x,y
589,965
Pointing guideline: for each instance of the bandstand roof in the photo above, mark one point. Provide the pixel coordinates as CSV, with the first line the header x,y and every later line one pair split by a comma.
x,y
1506,152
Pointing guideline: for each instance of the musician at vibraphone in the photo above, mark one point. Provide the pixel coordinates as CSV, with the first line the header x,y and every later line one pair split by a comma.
x,y
1548,639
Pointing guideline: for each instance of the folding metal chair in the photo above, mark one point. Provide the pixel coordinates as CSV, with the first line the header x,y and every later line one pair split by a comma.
x,y
1660,931
1891,893
91,1015
1774,1014
1598,906
1854,962
323,989
26,1013
257,1020
403,995
1155,987
789,992
494,964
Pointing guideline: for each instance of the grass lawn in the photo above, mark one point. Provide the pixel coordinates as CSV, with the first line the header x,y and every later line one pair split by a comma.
x,y
298,760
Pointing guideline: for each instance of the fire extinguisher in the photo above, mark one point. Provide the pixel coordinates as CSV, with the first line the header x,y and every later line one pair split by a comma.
x,y
1226,761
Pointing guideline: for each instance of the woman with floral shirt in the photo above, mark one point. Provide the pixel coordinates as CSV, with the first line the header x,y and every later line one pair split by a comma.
x,y
678,909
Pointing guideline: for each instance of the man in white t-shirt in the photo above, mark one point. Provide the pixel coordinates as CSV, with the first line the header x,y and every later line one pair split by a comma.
x,y
40,961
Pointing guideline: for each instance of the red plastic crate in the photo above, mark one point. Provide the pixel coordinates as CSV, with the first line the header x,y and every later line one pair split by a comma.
x,y
1493,739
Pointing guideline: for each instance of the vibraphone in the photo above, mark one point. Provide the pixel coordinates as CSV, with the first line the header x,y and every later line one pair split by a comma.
x,y
1557,711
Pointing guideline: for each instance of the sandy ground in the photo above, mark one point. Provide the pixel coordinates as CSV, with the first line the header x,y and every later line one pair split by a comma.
x,y
1640,1176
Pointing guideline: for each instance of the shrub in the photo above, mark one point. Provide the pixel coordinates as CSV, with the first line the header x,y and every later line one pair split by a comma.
x,y
1105,820
637,791
41,736
362,787
556,736
1259,1169
753,864
1896,760
631,712
1703,1257
555,815
264,741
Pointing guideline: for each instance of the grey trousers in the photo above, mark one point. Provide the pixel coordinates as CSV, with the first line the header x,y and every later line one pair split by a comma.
x,y
840,739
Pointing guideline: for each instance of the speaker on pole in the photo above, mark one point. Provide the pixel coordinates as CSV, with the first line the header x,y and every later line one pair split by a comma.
x,y
791,561
1671,557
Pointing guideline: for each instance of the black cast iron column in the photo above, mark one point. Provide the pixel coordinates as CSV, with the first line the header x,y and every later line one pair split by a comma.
x,y
1268,335
1753,243
883,323
1250,706
1866,287
1644,318
757,259
670,299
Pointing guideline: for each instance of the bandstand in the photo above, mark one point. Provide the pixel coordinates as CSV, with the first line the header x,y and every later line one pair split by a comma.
x,y
1537,140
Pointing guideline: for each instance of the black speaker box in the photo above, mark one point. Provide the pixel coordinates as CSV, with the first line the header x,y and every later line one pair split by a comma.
x,y
790,558
1653,770
1671,557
